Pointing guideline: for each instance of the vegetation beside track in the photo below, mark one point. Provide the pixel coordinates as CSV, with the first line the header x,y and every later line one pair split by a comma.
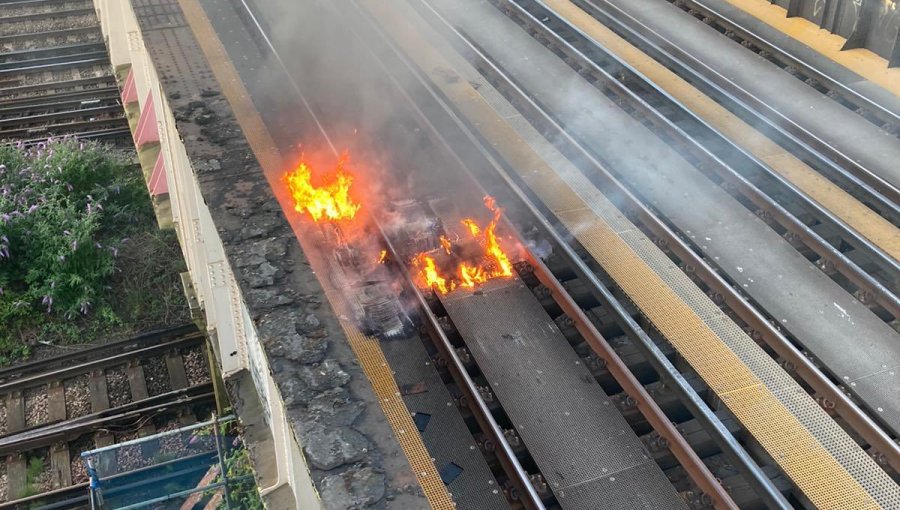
x,y
81,257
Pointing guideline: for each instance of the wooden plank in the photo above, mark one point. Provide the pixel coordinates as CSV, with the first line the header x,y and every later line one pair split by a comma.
x,y
15,476
99,392
177,375
15,412
107,461
61,467
137,382
56,402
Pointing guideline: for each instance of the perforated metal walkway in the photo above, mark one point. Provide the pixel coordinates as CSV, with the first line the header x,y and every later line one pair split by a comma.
x,y
583,446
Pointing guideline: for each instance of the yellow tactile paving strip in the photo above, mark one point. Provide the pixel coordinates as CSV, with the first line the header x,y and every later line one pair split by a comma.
x,y
813,468
861,61
366,348
878,230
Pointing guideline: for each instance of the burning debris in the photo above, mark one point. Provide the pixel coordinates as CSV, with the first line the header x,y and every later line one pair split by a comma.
x,y
328,199
361,277
440,259
477,259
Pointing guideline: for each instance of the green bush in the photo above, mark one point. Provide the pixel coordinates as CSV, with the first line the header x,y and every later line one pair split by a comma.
x,y
66,208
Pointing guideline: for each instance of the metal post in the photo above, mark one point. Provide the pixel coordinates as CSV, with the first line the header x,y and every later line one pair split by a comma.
x,y
222,465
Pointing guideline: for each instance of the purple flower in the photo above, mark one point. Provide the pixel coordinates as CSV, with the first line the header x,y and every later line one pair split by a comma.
x,y
32,209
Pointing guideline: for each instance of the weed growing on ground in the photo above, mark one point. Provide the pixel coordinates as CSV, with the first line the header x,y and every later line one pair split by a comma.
x,y
75,221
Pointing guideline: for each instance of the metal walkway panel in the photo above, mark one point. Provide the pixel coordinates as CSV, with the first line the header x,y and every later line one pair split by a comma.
x,y
445,435
578,438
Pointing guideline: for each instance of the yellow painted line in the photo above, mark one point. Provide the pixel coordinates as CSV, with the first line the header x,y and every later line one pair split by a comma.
x,y
809,465
366,348
861,61
870,225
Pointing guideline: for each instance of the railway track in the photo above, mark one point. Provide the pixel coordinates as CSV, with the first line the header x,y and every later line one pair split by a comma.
x,y
54,409
818,233
683,252
869,108
55,75
832,162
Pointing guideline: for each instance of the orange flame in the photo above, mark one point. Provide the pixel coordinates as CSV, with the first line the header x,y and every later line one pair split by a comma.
x,y
382,257
329,200
494,263
445,244
429,277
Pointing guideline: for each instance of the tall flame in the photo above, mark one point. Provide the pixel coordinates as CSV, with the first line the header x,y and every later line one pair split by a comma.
x,y
494,262
329,200
429,277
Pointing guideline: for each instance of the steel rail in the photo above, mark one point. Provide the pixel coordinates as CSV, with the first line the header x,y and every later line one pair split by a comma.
x,y
17,65
12,105
108,99
86,355
102,134
785,56
866,282
862,423
43,52
38,119
54,85
677,444
66,128
831,161
38,2
65,32
22,18
67,372
692,400
464,381
42,68
64,431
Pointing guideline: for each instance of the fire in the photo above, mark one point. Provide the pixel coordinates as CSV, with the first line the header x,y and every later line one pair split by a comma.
x,y
492,246
428,273
382,257
494,263
445,244
330,199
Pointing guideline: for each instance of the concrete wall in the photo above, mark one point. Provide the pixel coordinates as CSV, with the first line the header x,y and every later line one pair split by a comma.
x,y
235,340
